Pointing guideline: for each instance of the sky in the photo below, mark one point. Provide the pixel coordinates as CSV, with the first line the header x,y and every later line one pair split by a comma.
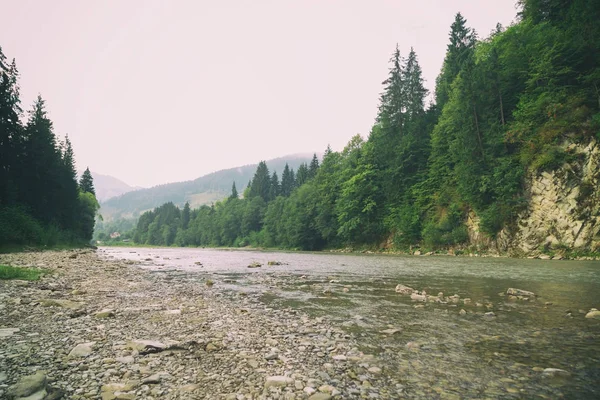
x,y
153,91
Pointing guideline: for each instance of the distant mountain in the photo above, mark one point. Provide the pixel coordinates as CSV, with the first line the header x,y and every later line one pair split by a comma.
x,y
107,186
204,190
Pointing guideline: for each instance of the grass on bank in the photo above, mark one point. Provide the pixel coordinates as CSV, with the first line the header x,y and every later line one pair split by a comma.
x,y
22,273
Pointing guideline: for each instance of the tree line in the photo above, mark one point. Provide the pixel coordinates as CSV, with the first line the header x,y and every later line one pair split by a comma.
x,y
505,106
41,200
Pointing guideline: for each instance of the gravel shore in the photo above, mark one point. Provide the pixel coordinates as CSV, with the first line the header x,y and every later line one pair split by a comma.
x,y
101,328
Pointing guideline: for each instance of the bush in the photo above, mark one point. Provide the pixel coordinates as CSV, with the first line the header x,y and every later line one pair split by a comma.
x,y
18,227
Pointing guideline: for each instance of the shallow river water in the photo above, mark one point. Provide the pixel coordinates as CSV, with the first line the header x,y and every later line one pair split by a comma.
x,y
438,350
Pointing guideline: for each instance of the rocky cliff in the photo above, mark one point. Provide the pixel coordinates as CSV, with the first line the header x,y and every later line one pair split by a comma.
x,y
562,213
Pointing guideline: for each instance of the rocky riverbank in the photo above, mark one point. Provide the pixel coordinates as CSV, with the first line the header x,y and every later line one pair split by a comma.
x,y
98,328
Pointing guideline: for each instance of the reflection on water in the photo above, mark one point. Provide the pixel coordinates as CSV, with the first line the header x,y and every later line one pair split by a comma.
x,y
439,350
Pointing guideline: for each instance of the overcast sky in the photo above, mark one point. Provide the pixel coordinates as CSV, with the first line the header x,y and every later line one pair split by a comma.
x,y
161,91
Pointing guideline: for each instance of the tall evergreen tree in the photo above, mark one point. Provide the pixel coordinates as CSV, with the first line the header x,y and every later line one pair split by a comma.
x,y
86,183
460,48
185,215
313,167
41,182
261,182
414,87
287,181
10,130
275,188
234,192
302,175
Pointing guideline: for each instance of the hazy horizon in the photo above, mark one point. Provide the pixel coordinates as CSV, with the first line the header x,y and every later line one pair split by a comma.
x,y
154,92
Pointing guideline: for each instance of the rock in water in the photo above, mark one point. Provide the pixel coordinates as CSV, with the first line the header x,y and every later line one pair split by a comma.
x,y
520,292
418,297
556,372
255,265
8,332
593,313
278,381
402,289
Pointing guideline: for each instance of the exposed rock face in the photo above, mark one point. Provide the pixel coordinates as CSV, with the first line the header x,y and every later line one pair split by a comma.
x,y
563,205
563,209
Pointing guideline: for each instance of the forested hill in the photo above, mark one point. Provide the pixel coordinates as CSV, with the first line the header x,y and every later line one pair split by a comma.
x,y
507,157
108,186
41,201
204,190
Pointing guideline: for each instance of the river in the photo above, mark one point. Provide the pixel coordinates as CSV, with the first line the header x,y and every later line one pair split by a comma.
x,y
453,349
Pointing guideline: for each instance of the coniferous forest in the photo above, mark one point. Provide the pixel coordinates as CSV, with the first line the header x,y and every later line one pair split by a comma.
x,y
41,201
504,107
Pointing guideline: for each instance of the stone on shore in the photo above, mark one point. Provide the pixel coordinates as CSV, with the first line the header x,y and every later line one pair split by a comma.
x,y
29,387
72,305
593,313
278,381
82,350
106,313
150,346
519,292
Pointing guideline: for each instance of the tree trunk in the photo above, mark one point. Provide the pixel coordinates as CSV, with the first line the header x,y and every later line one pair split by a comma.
x,y
501,107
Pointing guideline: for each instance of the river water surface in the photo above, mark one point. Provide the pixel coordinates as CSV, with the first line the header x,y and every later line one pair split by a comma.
x,y
438,350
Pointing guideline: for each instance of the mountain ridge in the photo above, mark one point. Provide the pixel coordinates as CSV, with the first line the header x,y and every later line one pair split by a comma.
x,y
205,189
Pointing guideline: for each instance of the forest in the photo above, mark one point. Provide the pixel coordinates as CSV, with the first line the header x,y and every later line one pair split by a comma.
x,y
504,108
42,202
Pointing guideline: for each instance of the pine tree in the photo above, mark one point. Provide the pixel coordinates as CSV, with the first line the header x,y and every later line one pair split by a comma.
x,y
287,181
86,183
460,48
10,131
414,87
185,215
69,193
302,175
275,188
234,192
40,182
314,166
261,182
392,102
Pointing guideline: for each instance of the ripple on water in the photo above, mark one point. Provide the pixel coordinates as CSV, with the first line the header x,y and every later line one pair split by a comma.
x,y
437,352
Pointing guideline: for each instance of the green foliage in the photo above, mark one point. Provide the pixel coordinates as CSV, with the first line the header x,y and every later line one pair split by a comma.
x,y
505,107
22,273
39,193
86,183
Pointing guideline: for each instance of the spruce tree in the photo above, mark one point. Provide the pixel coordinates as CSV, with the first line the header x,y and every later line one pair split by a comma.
x,y
414,87
10,131
287,181
234,192
460,48
185,216
314,166
69,193
392,102
86,183
261,182
275,188
40,182
302,175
